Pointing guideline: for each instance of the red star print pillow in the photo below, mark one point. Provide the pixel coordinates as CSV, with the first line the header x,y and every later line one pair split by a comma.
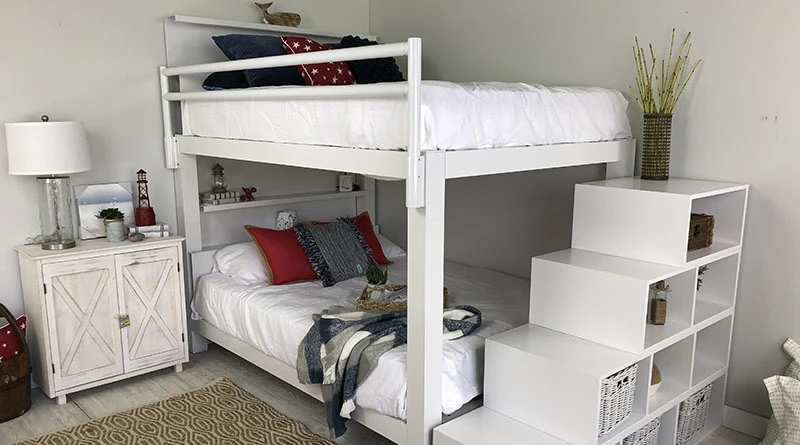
x,y
331,73
9,344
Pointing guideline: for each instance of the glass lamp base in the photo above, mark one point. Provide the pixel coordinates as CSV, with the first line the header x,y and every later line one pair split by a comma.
x,y
55,212
58,245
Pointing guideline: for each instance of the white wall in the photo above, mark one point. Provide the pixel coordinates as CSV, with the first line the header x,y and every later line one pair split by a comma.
x,y
96,61
738,122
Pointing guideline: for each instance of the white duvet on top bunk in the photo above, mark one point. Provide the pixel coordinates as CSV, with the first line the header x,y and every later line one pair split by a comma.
x,y
274,319
455,116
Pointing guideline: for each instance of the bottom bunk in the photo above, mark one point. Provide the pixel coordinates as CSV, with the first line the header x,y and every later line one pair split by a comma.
x,y
265,324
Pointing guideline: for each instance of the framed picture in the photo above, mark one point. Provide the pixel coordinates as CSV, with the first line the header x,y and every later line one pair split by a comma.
x,y
95,197
345,183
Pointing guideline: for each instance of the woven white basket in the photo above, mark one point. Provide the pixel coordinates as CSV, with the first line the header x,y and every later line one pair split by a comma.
x,y
646,435
692,414
616,398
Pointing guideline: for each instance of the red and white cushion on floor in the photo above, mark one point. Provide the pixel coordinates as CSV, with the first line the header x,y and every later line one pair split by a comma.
x,y
9,343
330,73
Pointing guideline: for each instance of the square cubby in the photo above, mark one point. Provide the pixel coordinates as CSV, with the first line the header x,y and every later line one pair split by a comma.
x,y
728,212
716,287
676,312
711,351
674,367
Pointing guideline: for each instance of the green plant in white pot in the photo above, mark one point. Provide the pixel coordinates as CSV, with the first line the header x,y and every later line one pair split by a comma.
x,y
113,218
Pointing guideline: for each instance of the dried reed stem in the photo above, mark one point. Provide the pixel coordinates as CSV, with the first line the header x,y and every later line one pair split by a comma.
x,y
658,90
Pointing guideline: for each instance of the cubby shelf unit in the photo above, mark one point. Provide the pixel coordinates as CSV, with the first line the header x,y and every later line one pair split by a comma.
x,y
588,318
594,288
649,220
564,372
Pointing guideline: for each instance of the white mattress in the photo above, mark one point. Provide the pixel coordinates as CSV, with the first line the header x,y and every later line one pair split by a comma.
x,y
455,116
274,319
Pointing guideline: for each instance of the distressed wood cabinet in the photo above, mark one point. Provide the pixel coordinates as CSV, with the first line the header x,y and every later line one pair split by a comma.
x,y
102,312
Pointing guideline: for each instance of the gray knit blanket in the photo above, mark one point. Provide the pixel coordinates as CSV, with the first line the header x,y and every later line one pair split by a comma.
x,y
343,347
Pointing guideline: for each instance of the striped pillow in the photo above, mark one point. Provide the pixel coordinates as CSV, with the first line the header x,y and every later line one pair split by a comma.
x,y
336,251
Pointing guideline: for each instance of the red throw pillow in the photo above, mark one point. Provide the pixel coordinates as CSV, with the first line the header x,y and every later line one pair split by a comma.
x,y
9,343
331,73
284,256
364,224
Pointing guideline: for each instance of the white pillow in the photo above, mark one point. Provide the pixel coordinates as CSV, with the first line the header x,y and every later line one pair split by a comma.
x,y
390,249
242,261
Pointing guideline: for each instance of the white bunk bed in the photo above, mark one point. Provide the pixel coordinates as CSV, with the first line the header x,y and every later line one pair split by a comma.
x,y
425,173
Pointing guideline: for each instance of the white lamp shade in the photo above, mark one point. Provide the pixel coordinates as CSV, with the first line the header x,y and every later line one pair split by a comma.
x,y
47,148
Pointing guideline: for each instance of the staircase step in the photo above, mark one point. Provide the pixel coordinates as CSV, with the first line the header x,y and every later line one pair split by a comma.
x,y
484,426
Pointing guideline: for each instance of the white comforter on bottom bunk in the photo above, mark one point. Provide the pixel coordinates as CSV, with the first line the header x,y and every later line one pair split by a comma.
x,y
455,116
274,319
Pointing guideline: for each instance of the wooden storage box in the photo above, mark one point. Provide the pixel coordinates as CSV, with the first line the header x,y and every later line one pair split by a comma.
x,y
15,376
701,231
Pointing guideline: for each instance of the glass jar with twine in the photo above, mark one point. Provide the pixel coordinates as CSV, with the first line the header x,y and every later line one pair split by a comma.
x,y
658,88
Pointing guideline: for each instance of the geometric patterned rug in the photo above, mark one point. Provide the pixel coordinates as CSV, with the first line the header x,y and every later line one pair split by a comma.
x,y
220,413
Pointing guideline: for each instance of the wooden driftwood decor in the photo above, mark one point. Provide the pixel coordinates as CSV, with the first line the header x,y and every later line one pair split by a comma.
x,y
279,18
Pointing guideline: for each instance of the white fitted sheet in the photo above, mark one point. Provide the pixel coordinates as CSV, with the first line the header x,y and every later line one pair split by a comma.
x,y
455,116
274,319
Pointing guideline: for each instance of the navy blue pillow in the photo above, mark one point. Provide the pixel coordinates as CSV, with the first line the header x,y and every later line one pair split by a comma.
x,y
372,70
225,80
246,46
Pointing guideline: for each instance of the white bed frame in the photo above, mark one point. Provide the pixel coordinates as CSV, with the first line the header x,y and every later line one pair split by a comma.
x,y
425,173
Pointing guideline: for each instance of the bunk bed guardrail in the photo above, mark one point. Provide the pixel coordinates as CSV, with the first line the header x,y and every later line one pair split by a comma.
x,y
415,190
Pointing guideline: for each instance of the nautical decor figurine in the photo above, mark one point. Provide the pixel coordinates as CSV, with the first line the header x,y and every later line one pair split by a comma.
x,y
279,18
145,216
220,185
248,194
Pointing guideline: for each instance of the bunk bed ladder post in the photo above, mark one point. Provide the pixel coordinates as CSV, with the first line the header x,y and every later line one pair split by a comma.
x,y
425,301
170,141
415,181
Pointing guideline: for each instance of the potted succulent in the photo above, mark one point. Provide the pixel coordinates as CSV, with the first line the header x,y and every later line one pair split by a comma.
x,y
376,279
115,225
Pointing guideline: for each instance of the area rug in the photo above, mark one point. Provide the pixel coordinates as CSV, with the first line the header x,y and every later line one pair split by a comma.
x,y
220,413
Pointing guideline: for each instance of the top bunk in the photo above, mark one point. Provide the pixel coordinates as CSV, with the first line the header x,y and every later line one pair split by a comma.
x,y
384,129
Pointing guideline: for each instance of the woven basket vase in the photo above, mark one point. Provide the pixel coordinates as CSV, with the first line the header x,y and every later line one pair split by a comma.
x,y
656,145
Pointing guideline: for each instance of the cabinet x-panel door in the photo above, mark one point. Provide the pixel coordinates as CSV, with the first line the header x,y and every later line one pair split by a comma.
x,y
149,290
81,304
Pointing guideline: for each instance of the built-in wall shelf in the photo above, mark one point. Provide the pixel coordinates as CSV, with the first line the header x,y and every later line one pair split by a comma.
x,y
255,26
267,201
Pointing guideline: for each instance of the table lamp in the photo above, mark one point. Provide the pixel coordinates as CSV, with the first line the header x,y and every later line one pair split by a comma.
x,y
50,151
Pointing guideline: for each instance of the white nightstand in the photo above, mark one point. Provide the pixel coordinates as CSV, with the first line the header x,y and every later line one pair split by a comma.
x,y
102,312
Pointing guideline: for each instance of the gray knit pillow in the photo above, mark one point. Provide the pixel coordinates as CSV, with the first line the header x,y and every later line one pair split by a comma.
x,y
337,251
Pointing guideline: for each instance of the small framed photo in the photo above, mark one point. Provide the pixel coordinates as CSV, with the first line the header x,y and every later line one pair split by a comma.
x,y
95,197
345,183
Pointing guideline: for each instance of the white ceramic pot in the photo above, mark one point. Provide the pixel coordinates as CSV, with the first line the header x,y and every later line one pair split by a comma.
x,y
115,230
653,389
376,292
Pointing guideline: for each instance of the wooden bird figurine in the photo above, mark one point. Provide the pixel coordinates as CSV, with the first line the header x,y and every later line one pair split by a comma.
x,y
279,18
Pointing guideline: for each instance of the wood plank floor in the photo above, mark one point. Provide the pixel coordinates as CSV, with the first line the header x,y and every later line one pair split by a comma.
x,y
45,416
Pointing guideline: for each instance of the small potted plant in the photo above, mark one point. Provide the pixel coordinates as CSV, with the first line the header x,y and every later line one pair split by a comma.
x,y
115,226
376,279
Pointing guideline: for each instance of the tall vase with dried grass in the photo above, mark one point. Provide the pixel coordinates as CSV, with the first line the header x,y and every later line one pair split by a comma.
x,y
658,88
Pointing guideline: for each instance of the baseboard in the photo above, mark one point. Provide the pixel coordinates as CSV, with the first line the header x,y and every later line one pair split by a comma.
x,y
744,422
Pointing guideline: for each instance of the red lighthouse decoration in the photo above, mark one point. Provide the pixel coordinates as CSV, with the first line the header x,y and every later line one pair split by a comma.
x,y
145,216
